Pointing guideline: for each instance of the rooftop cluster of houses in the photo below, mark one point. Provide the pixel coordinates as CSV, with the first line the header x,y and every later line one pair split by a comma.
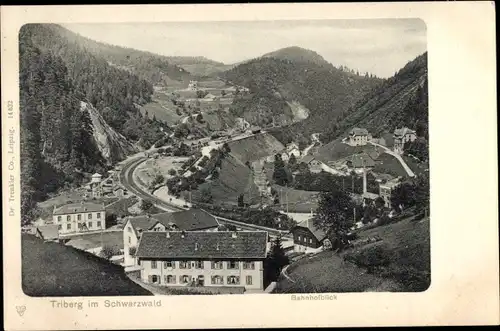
x,y
394,141
188,248
98,187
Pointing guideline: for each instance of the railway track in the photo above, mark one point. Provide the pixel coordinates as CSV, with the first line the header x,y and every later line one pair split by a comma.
x,y
127,180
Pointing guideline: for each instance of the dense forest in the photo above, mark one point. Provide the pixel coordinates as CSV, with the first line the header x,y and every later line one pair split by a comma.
x,y
56,136
325,90
154,68
113,92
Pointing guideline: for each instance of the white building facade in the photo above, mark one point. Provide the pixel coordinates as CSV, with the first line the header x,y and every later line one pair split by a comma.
x,y
79,217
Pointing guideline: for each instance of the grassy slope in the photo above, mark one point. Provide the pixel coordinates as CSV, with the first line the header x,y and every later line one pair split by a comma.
x,y
51,269
235,179
255,147
337,150
407,243
326,272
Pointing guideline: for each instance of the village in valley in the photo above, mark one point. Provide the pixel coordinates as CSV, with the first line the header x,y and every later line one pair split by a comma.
x,y
221,201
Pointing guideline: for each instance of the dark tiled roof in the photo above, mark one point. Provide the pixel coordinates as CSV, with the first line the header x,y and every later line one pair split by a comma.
x,y
79,207
362,160
142,222
188,220
48,232
358,132
203,245
403,131
308,158
309,224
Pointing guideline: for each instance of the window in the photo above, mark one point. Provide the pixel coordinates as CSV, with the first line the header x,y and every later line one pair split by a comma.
x,y
59,218
184,265
68,218
234,280
90,225
185,279
129,229
98,215
310,241
79,217
298,238
305,239
217,265
199,264
249,280
68,226
169,279
154,278
60,227
89,216
217,280
98,224
129,240
169,264
153,265
232,265
80,226
248,265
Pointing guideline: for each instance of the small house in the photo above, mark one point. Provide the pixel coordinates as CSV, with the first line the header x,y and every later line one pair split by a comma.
x,y
359,137
307,237
314,165
402,136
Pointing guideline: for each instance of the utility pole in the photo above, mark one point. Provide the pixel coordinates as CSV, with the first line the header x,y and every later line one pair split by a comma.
x,y
354,209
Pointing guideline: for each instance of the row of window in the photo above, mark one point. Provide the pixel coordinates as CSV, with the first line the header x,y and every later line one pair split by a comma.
x,y
200,265
305,239
215,280
78,217
81,225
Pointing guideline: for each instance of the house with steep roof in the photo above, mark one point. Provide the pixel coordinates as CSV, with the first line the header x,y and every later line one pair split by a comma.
x,y
360,161
314,165
185,220
386,189
402,136
79,217
359,137
307,237
203,259
47,232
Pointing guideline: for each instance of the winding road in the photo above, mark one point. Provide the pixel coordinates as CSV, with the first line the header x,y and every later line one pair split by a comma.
x,y
128,181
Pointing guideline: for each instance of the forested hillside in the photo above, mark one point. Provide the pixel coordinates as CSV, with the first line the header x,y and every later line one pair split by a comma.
x,y
112,91
323,89
300,55
56,137
401,100
198,65
154,68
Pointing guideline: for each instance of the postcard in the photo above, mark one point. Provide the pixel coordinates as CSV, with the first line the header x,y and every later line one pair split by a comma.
x,y
249,165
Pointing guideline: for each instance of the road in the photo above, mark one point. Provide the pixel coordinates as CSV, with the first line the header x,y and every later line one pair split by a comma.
x,y
398,157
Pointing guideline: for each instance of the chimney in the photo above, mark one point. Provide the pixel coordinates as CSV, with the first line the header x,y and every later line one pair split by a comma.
x,y
234,234
168,234
183,234
195,246
217,246
364,182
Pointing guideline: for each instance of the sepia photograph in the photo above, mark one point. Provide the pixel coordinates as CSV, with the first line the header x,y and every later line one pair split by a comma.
x,y
201,158
199,166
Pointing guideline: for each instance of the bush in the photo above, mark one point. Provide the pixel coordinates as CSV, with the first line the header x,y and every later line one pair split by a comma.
x,y
172,172
109,251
